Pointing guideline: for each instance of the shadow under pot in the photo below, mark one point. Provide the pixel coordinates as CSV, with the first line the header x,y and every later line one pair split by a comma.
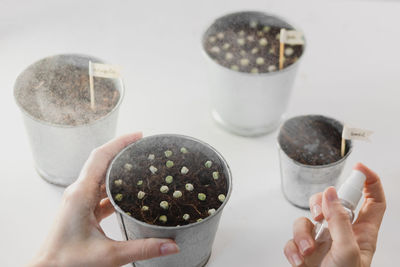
x,y
249,91
310,156
170,186
54,98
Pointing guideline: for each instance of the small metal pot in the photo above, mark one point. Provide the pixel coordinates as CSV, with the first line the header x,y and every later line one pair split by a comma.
x,y
249,104
299,181
194,240
59,151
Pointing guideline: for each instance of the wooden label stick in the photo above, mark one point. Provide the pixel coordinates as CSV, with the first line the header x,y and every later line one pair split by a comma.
x,y
343,147
282,47
92,103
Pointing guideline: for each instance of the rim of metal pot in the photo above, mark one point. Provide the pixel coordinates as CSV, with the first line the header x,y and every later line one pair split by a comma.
x,y
25,112
152,226
272,73
315,166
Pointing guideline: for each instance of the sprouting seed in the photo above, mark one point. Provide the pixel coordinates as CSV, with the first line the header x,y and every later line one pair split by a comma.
x,y
271,68
263,41
228,56
221,197
215,49
208,164
289,51
241,41
169,163
271,50
128,166
151,157
234,67
201,196
260,33
141,194
211,211
266,28
118,197
212,39
215,175
244,62
250,38
254,70
199,220
254,50
189,187
153,169
184,170
220,35
260,61
118,182
145,208
177,194
186,216
128,213
184,150
164,205
162,218
140,182
242,53
168,153
164,189
253,24
241,33
278,36
226,46
169,179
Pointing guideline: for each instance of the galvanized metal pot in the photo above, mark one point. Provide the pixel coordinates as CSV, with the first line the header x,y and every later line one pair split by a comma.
x,y
299,181
59,151
249,104
194,240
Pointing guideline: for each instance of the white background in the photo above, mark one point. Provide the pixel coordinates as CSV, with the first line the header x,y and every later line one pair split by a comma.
x,y
350,71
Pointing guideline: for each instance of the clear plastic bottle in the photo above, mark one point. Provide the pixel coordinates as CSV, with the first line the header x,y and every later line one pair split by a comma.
x,y
349,194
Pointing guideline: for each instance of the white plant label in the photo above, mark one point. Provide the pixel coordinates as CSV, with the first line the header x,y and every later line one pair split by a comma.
x,y
291,37
104,70
356,134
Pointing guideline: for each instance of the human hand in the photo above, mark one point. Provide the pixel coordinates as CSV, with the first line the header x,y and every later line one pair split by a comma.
x,y
353,245
76,238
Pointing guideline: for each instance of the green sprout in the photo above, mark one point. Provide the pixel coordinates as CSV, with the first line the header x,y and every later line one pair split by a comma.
x,y
118,197
201,196
169,179
169,163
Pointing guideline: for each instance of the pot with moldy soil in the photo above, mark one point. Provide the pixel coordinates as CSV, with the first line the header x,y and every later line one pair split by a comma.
x,y
170,186
310,156
53,96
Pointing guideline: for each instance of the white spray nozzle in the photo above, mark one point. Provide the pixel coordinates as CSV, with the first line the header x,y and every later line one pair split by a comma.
x,y
351,189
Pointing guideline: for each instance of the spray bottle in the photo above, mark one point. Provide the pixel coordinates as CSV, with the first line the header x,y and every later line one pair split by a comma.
x,y
349,194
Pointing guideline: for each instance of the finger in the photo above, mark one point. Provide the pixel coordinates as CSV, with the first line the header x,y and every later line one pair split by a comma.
x,y
104,209
142,249
93,173
302,235
292,254
315,203
338,220
374,206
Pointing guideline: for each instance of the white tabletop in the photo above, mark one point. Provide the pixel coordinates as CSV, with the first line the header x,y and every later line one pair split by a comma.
x,y
350,71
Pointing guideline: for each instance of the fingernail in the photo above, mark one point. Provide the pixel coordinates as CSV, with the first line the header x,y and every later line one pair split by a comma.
x,y
169,248
304,245
331,194
316,211
296,259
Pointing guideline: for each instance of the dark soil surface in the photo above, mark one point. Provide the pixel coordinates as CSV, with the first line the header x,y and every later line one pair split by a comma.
x,y
312,140
126,183
242,47
56,90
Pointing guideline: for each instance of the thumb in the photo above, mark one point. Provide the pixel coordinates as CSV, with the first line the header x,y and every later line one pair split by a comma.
x,y
338,219
142,249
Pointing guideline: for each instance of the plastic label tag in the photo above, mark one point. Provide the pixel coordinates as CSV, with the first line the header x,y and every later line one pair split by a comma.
x,y
291,37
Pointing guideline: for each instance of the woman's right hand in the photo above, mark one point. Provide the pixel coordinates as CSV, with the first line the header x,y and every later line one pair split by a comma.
x,y
353,245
